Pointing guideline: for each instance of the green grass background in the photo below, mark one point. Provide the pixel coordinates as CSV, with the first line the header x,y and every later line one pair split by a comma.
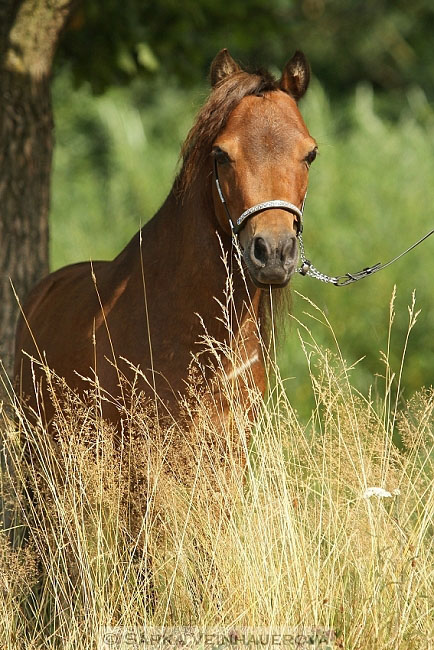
x,y
371,195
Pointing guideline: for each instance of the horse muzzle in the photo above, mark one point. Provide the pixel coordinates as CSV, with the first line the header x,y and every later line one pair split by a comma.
x,y
271,260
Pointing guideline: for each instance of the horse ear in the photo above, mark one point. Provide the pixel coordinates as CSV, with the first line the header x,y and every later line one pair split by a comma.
x,y
223,66
296,76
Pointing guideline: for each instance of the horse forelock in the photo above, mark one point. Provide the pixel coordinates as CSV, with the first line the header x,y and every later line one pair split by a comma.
x,y
212,118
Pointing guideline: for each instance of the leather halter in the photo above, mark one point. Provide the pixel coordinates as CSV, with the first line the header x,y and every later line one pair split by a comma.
x,y
259,207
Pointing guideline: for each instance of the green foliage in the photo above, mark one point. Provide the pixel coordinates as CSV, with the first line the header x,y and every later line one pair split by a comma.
x,y
387,43
113,166
369,198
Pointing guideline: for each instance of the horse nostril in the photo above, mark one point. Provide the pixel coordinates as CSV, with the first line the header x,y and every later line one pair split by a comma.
x,y
288,251
260,252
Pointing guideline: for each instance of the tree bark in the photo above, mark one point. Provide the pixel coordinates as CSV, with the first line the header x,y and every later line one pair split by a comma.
x,y
29,33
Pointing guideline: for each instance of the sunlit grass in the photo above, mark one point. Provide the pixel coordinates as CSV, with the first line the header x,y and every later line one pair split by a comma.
x,y
163,527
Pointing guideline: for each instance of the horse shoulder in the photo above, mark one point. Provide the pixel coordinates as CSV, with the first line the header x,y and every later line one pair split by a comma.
x,y
53,309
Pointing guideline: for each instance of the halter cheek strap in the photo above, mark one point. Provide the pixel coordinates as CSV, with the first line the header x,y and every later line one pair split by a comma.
x,y
259,207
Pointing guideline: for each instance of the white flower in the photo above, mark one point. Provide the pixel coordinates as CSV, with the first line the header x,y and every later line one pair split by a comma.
x,y
379,492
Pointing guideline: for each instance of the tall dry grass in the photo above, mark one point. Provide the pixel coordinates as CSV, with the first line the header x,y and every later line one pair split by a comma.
x,y
163,527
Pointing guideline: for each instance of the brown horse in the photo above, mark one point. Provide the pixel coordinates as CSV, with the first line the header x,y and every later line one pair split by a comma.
x,y
244,174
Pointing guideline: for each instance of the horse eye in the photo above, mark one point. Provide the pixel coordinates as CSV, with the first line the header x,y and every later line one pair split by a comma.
x,y
311,156
221,156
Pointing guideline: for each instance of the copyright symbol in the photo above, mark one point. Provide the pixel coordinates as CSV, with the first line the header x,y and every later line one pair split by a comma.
x,y
111,639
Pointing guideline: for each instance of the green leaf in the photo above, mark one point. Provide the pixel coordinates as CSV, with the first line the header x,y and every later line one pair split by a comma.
x,y
146,57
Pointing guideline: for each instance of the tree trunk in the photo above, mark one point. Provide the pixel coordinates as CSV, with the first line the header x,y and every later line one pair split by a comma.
x,y
29,33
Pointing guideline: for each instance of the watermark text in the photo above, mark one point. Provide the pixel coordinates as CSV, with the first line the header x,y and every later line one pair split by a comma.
x,y
195,638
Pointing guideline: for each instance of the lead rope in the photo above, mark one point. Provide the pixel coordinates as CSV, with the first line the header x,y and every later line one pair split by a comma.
x,y
307,268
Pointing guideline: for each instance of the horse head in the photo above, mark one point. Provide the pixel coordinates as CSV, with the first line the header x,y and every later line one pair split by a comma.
x,y
262,157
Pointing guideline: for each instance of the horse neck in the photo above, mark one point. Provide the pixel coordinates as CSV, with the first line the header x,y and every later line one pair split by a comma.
x,y
182,252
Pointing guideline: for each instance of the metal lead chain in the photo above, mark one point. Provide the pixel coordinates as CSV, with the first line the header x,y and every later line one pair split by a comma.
x,y
307,268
